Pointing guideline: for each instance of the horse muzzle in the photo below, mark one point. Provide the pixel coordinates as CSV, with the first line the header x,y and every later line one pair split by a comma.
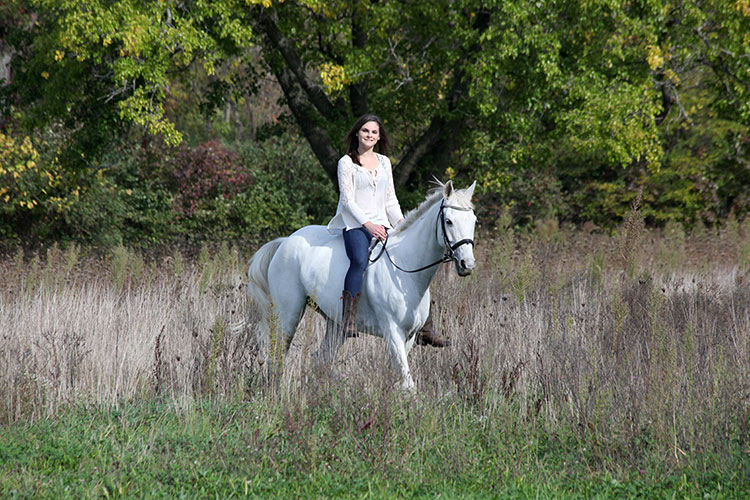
x,y
464,266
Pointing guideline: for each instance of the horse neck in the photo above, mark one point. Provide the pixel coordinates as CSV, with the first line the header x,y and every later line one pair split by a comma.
x,y
417,245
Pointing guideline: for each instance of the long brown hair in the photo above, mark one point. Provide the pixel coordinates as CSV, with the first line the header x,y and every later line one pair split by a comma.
x,y
352,142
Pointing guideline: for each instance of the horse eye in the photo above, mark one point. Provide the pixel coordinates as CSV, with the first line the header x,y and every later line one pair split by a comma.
x,y
449,222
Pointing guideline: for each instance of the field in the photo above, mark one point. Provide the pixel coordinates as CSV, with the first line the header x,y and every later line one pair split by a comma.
x,y
584,365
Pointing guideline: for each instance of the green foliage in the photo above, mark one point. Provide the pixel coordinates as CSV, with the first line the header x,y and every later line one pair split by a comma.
x,y
146,193
23,181
145,218
43,201
140,44
288,164
708,156
703,175
588,114
564,108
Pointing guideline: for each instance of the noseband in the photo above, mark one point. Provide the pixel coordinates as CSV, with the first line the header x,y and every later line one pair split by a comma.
x,y
450,249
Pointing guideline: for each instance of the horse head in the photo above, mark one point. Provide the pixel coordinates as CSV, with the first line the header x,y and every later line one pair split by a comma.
x,y
456,222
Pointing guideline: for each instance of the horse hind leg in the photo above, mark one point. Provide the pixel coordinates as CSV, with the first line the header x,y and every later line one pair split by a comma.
x,y
289,311
276,329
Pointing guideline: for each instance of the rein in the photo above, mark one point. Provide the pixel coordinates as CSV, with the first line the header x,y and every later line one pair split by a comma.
x,y
450,249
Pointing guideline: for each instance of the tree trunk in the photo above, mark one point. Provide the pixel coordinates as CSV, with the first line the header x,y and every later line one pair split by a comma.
x,y
358,91
308,102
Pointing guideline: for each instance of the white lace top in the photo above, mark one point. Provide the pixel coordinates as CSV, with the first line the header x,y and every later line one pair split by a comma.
x,y
365,195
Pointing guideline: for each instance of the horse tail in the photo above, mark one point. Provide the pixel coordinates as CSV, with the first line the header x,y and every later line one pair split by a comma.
x,y
257,273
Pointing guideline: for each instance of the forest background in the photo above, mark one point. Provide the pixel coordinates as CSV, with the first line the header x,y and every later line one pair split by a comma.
x,y
154,123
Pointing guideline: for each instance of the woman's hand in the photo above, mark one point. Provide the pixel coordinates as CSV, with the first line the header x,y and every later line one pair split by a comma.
x,y
376,230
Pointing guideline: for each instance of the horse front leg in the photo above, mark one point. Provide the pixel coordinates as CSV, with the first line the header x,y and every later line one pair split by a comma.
x,y
395,341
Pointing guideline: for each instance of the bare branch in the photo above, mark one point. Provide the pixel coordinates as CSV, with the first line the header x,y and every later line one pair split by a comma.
x,y
404,65
114,93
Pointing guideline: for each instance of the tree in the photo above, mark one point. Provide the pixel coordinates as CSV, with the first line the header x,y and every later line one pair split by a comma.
x,y
523,93
430,68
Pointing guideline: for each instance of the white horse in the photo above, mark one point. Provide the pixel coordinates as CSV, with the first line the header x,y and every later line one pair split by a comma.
x,y
311,264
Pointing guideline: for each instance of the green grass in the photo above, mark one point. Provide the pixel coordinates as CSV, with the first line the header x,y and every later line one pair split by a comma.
x,y
411,449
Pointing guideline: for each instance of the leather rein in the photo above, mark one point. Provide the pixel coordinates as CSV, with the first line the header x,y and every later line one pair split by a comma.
x,y
450,249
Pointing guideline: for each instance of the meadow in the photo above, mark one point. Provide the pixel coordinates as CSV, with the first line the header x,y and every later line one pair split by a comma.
x,y
583,365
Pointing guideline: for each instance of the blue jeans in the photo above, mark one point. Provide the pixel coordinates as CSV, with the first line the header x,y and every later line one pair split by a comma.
x,y
357,244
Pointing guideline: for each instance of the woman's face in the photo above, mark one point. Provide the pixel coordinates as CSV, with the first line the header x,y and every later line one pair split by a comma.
x,y
368,135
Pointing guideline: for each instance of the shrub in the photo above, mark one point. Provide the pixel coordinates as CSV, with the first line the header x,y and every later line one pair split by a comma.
x,y
286,164
42,200
145,216
266,189
23,180
206,172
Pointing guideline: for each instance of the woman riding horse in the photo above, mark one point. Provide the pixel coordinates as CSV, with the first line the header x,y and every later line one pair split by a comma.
x,y
367,208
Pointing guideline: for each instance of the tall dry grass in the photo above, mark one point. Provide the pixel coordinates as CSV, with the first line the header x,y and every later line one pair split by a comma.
x,y
113,329
635,340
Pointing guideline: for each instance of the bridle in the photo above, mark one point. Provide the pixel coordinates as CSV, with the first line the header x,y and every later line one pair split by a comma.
x,y
450,249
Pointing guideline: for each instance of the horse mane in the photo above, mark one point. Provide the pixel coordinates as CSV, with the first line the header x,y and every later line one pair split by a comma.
x,y
459,198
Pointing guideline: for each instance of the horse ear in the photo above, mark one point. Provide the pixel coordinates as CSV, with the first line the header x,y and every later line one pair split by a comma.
x,y
448,189
470,189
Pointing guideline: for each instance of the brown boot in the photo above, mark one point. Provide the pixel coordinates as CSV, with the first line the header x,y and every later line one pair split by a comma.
x,y
427,335
349,323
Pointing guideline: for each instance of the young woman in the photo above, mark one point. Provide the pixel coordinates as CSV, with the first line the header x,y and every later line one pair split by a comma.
x,y
367,204
367,208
